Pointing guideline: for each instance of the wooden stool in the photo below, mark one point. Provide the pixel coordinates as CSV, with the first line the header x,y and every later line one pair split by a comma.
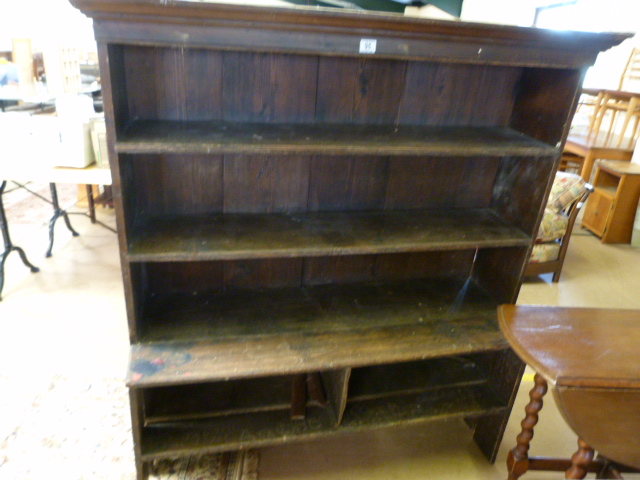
x,y
590,358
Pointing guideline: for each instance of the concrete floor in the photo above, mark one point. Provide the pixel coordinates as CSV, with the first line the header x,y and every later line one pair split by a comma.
x,y
69,319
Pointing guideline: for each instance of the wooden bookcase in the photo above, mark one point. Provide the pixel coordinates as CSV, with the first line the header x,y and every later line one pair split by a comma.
x,y
316,228
611,210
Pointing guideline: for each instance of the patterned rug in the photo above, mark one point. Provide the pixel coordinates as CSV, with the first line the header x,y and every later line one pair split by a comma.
x,y
79,429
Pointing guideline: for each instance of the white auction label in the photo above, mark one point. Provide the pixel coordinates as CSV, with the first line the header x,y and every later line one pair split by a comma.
x,y
368,45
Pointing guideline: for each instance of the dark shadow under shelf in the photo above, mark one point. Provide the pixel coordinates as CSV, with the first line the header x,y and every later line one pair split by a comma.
x,y
190,338
198,137
246,236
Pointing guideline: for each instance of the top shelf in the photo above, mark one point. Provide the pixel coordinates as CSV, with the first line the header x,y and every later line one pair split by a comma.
x,y
161,136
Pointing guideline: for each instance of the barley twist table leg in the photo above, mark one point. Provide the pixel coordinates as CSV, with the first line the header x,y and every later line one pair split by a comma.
x,y
580,460
518,458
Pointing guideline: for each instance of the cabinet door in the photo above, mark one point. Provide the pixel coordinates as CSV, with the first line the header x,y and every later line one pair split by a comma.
x,y
597,212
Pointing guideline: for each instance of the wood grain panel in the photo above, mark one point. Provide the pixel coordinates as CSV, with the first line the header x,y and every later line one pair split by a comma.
x,y
203,83
175,185
449,264
454,94
263,184
296,81
440,182
248,87
188,278
141,68
343,269
266,273
347,183
378,95
337,84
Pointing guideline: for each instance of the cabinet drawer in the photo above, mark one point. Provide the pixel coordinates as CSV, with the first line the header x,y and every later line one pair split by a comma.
x,y
597,212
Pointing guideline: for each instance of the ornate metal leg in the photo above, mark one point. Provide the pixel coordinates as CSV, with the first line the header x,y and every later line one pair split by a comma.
x,y
580,461
518,458
57,213
8,244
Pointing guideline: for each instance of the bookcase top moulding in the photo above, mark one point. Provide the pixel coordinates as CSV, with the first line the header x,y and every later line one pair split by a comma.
x,y
299,29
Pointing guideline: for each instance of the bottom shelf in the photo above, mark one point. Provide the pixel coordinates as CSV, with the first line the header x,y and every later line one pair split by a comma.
x,y
235,432
250,412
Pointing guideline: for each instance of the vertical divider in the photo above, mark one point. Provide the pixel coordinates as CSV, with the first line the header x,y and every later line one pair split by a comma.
x,y
336,383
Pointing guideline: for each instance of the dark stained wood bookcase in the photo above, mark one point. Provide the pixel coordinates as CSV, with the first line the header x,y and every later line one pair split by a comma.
x,y
316,228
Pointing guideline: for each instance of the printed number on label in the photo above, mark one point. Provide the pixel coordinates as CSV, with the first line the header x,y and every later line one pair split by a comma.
x,y
368,45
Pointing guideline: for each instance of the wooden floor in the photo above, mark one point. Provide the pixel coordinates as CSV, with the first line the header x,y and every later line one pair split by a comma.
x,y
69,320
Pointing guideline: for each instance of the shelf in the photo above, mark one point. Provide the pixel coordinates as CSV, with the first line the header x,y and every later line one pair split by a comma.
x,y
246,236
160,136
294,330
267,428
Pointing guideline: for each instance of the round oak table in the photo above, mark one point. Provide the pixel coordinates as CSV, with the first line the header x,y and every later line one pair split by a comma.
x,y
591,359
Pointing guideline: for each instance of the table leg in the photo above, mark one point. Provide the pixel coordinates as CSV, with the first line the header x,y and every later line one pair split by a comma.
x,y
8,244
580,461
57,213
92,203
518,458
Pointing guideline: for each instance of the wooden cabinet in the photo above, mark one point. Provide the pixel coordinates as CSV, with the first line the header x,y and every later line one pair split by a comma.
x,y
320,211
611,209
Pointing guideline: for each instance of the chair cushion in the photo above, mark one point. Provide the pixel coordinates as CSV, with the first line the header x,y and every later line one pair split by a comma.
x,y
553,226
545,252
567,187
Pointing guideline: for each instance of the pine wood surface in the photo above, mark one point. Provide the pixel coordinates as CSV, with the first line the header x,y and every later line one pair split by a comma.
x,y
295,330
216,138
235,236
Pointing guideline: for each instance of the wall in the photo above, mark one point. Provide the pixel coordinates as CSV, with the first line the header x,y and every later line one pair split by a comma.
x,y
44,21
589,15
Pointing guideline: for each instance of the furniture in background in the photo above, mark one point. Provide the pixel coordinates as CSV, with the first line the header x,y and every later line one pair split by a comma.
x,y
15,165
612,143
568,194
584,151
590,358
624,100
346,198
611,210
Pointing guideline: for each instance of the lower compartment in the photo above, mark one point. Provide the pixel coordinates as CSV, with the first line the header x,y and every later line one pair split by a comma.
x,y
244,413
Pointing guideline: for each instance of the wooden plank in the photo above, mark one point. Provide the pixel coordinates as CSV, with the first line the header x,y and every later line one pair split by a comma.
x,y
188,338
377,96
268,428
147,136
348,183
263,184
244,236
336,383
435,94
404,378
169,184
337,83
441,182
212,399
249,93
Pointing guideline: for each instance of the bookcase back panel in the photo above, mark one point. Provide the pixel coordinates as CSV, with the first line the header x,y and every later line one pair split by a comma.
x,y
207,277
189,185
201,84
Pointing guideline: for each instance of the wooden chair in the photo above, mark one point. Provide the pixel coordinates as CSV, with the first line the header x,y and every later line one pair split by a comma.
x,y
626,100
567,197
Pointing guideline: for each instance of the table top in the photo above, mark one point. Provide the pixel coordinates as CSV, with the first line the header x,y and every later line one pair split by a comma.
x,y
602,141
624,168
32,163
576,347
